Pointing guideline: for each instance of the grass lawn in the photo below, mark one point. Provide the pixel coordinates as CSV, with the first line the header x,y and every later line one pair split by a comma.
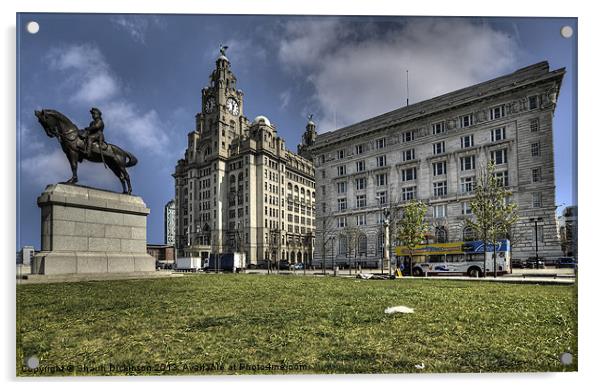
x,y
246,324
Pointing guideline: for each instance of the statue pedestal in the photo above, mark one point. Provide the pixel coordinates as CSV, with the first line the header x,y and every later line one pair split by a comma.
x,y
90,231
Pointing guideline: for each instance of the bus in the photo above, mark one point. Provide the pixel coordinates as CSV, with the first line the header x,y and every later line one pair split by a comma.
x,y
463,257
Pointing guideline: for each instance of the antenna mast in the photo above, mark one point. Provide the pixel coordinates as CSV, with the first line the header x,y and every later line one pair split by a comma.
x,y
407,88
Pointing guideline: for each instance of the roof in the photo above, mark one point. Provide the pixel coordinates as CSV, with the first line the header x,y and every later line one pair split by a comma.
x,y
524,76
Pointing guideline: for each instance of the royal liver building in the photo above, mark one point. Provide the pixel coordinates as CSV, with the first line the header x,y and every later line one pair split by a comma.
x,y
238,189
433,151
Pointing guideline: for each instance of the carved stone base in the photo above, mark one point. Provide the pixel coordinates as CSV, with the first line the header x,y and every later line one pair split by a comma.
x,y
90,231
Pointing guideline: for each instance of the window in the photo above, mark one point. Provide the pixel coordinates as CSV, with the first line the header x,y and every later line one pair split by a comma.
x,y
439,211
408,193
466,210
359,149
440,234
467,184
439,168
360,219
342,245
360,183
534,125
438,127
361,166
342,170
362,244
497,112
381,197
467,141
341,153
535,175
498,134
536,198
381,179
360,201
440,188
499,156
381,143
439,147
533,102
408,136
502,178
342,187
342,204
341,222
468,234
466,120
381,161
467,163
535,149
407,155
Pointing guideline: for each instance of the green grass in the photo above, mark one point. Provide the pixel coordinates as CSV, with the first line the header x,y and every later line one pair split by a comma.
x,y
311,325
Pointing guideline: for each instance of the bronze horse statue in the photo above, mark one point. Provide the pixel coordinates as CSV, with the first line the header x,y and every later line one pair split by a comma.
x,y
73,144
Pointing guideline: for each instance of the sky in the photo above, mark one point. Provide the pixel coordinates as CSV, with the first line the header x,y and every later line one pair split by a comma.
x,y
146,72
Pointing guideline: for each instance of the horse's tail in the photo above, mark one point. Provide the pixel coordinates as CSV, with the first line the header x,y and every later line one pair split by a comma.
x,y
132,160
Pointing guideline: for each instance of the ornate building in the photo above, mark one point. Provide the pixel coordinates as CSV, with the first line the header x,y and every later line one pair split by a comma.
x,y
433,151
238,189
169,219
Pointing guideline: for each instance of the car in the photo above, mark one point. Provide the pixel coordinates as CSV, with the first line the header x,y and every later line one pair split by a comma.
x,y
299,266
534,262
518,263
283,265
566,262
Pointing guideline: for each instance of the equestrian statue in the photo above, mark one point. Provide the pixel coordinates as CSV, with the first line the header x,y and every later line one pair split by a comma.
x,y
87,144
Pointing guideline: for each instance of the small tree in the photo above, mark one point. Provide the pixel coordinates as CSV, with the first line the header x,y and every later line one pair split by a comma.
x,y
352,233
494,215
412,227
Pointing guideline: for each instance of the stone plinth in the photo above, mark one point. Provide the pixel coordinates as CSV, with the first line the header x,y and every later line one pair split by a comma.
x,y
91,231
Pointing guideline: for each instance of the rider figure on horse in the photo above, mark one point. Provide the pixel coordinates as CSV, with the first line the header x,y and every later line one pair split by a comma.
x,y
94,132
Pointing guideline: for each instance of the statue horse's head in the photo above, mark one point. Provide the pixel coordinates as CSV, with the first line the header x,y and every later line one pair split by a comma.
x,y
54,123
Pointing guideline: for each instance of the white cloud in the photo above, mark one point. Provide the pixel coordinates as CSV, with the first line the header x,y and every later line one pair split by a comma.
x,y
358,71
136,26
88,77
89,81
53,167
285,98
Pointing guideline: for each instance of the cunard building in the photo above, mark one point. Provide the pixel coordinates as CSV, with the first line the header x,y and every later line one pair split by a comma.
x,y
238,189
432,151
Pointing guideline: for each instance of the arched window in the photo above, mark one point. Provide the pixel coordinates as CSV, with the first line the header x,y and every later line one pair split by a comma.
x,y
342,245
468,234
440,234
362,245
232,179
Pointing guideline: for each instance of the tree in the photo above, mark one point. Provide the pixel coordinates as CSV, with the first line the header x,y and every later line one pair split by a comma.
x,y
412,227
325,233
352,233
494,214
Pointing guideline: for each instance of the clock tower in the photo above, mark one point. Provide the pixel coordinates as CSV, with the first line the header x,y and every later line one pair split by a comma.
x,y
221,117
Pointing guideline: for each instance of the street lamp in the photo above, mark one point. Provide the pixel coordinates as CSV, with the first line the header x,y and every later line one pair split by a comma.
x,y
535,220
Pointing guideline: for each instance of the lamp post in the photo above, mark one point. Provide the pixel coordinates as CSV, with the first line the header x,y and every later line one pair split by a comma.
x,y
536,220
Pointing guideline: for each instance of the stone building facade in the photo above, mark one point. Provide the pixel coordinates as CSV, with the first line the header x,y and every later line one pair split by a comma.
x,y
238,189
433,151
169,220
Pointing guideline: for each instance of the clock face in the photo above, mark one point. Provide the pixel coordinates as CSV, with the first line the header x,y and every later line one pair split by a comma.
x,y
210,104
232,106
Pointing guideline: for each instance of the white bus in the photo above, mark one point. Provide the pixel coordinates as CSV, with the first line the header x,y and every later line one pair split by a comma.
x,y
463,257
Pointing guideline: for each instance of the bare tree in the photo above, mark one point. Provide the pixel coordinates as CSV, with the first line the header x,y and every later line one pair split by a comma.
x,y
326,230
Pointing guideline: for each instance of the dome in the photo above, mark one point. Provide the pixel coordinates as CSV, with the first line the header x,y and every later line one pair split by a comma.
x,y
262,120
223,57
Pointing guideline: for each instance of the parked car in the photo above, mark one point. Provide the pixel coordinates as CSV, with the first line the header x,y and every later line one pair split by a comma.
x,y
284,265
534,262
518,263
299,266
566,262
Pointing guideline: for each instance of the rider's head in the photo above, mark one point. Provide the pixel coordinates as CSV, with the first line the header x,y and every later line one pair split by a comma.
x,y
95,112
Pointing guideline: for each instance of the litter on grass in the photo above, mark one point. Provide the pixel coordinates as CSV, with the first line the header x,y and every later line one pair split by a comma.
x,y
399,309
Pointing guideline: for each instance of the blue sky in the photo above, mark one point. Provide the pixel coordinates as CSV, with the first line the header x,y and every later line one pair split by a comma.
x,y
145,72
